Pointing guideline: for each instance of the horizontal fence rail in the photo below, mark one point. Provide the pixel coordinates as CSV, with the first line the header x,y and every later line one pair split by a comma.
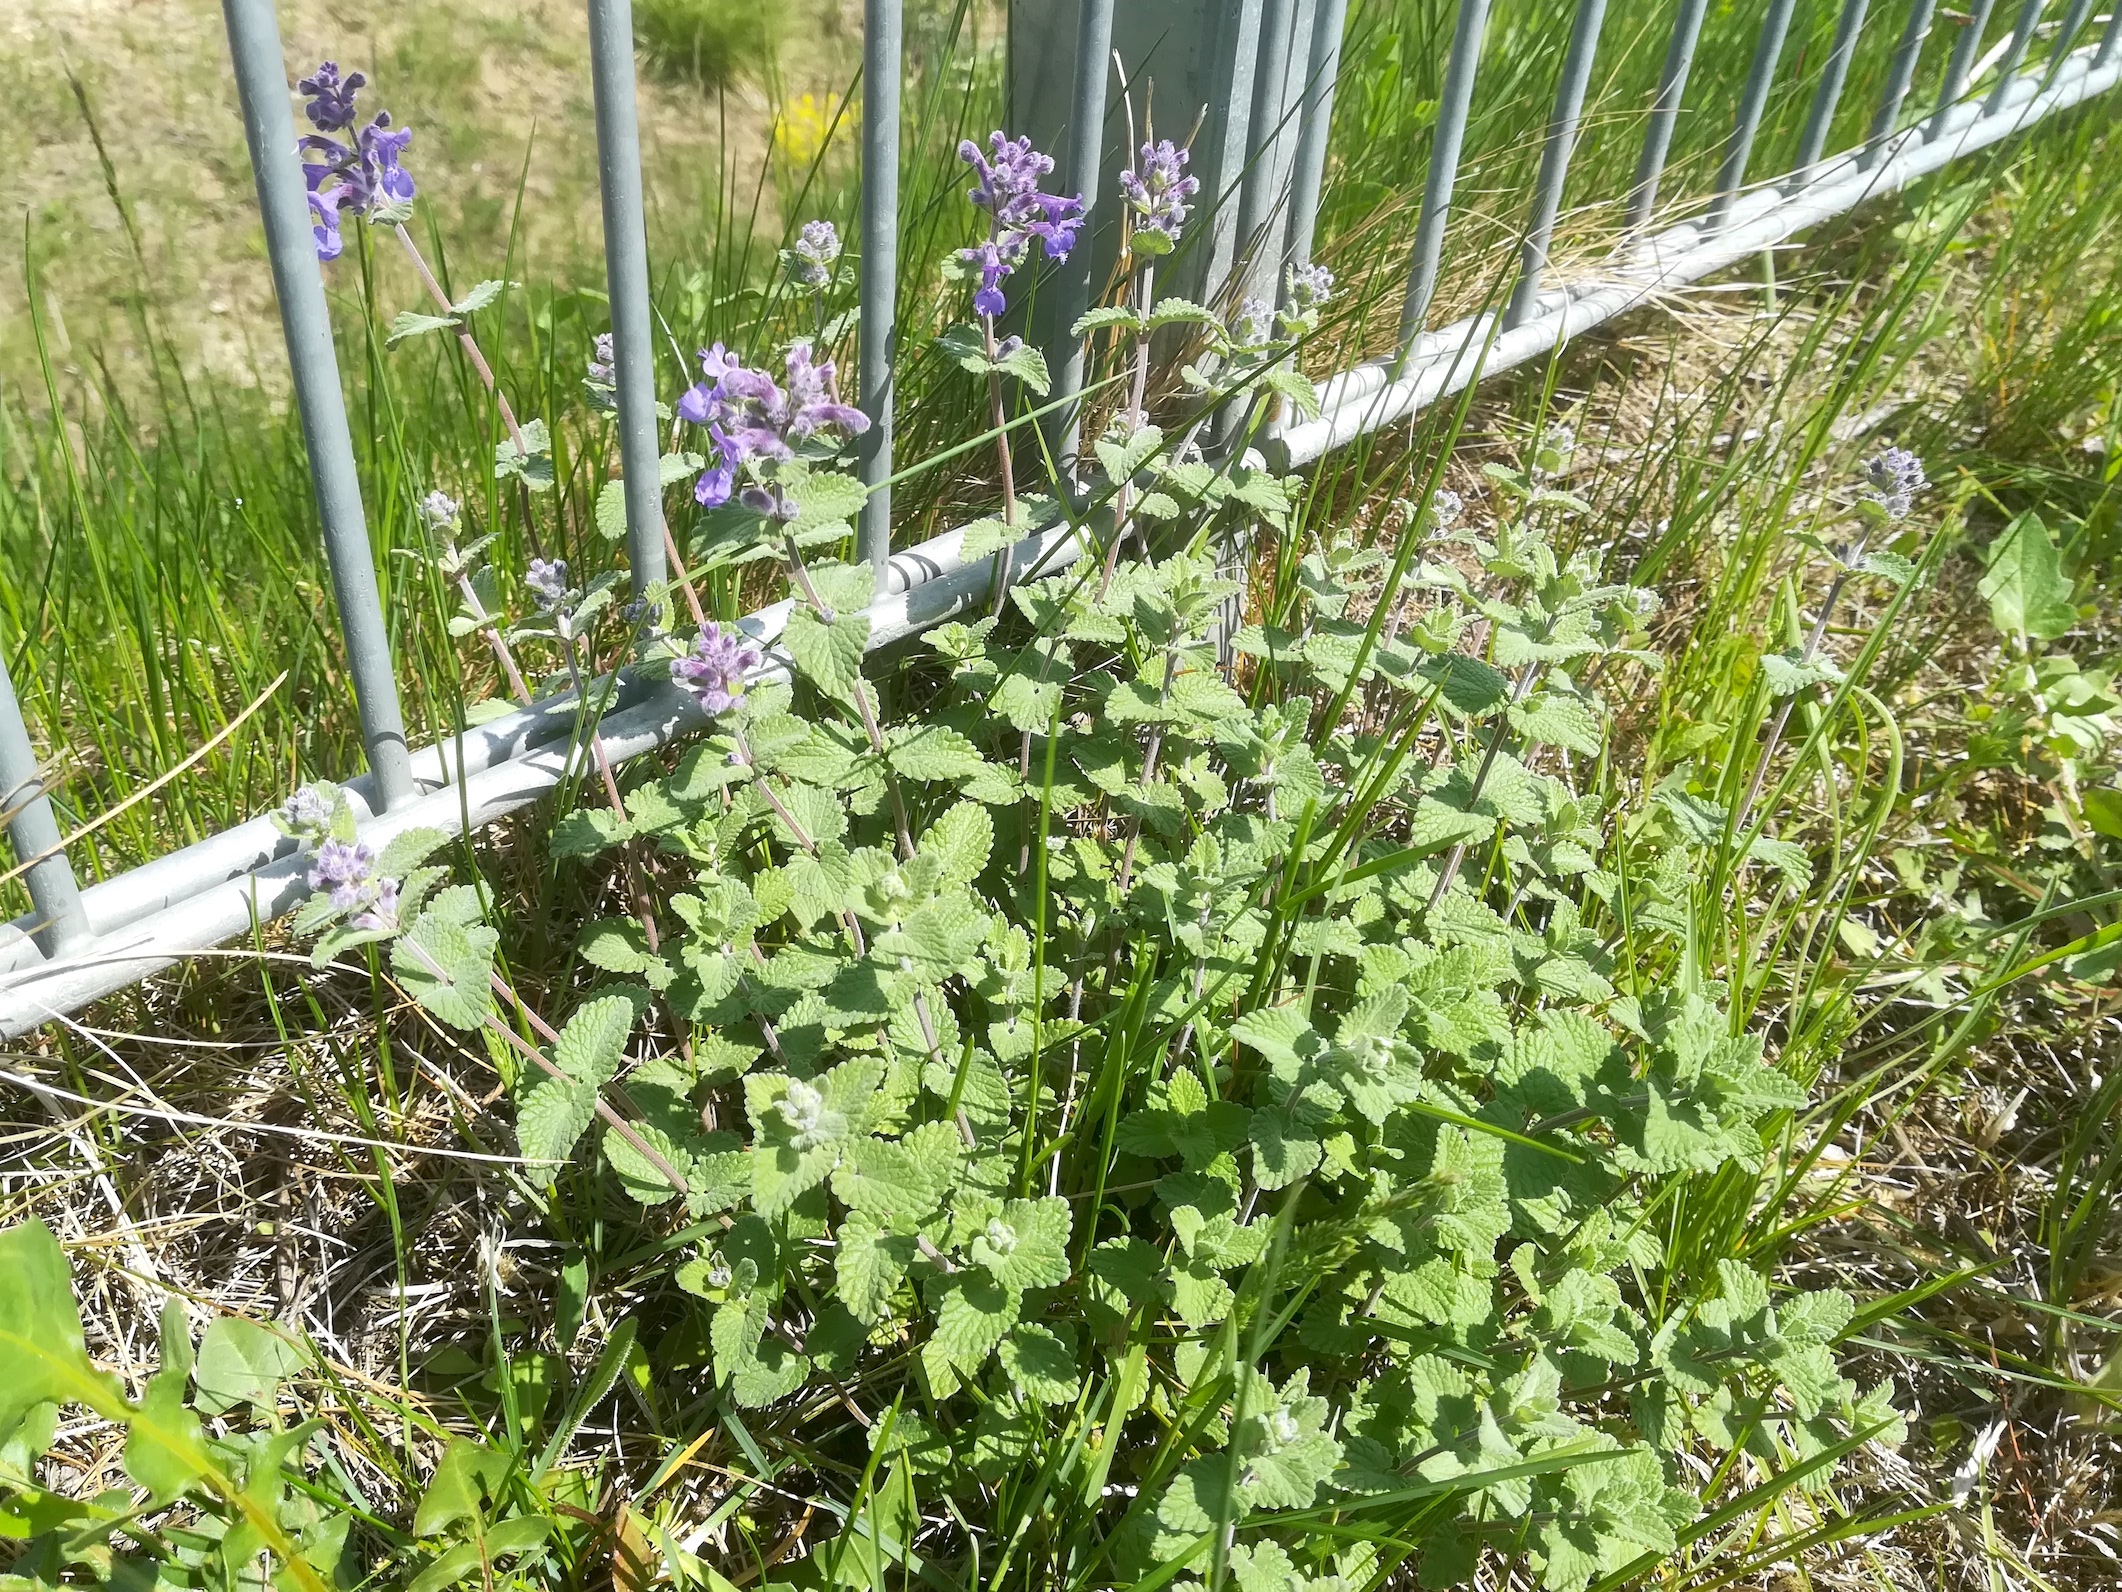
x,y
1263,157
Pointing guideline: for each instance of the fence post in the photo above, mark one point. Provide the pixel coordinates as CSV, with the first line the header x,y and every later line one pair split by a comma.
x,y
1323,70
34,830
611,63
2110,39
1445,145
881,34
1665,111
1898,78
1958,65
283,204
1768,49
1072,279
1820,119
1554,159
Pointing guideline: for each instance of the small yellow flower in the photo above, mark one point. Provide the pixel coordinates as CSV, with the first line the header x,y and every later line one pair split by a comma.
x,y
803,126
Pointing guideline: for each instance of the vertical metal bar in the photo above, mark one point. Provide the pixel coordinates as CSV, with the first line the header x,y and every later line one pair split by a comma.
x,y
1961,62
1665,112
1237,47
2022,34
1812,144
1323,68
35,832
1072,279
1452,107
1258,199
2073,25
1554,158
881,23
1753,100
1899,76
611,65
283,205
2111,39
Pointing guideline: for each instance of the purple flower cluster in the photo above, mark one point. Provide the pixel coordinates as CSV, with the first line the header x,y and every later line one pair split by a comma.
x,y
1310,286
361,171
750,416
346,870
1895,477
1158,191
438,511
307,812
1008,190
604,362
810,262
714,670
547,580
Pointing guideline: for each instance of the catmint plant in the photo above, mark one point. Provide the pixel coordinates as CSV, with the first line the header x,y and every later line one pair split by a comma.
x,y
808,263
364,170
600,376
755,426
360,170
459,564
1018,214
714,670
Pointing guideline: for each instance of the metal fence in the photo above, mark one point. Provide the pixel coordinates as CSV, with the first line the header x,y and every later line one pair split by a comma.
x,y
1275,70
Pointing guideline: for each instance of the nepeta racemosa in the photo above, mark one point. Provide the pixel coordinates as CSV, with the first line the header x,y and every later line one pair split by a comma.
x,y
361,171
809,263
714,670
1894,478
1156,192
1018,213
752,419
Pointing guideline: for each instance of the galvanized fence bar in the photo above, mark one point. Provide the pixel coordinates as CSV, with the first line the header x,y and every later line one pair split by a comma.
x,y
283,204
2073,25
1665,113
1812,143
2111,39
1259,198
882,22
1753,101
1901,73
2022,34
1307,180
611,59
1071,279
1446,144
55,899
1959,64
1554,160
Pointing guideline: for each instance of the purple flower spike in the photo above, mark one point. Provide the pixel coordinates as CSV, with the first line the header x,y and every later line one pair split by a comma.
x,y
810,262
1158,192
342,868
714,670
307,812
1895,477
1008,190
749,416
363,170
331,97
547,580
